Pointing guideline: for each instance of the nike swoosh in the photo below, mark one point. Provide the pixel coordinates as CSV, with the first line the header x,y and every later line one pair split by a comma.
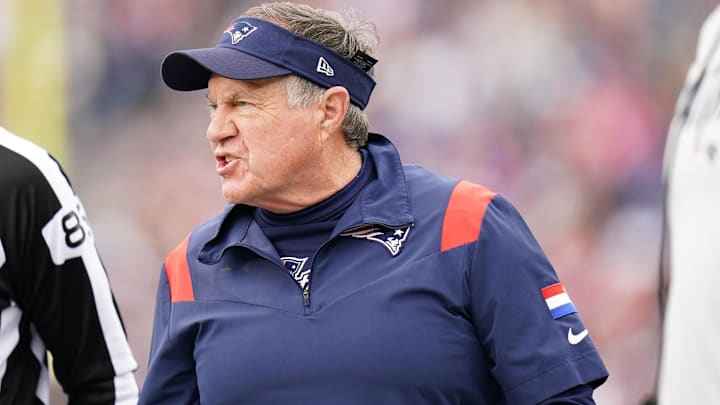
x,y
575,339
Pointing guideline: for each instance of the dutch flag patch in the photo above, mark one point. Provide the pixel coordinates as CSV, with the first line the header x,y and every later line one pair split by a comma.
x,y
558,301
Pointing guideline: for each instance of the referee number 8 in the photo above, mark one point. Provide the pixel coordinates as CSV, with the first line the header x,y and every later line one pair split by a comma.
x,y
74,231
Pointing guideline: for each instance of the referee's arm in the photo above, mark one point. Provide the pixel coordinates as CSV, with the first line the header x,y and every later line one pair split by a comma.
x,y
64,289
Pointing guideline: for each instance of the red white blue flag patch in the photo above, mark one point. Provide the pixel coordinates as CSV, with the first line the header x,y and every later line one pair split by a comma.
x,y
558,301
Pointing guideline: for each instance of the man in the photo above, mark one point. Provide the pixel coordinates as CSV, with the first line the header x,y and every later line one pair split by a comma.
x,y
336,275
690,362
54,292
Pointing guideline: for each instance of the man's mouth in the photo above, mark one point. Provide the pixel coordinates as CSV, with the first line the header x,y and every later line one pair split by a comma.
x,y
223,162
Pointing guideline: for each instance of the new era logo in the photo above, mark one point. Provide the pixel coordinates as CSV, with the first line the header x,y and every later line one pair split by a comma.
x,y
324,67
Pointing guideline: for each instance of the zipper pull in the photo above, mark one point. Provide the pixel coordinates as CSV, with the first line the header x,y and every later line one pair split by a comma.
x,y
306,296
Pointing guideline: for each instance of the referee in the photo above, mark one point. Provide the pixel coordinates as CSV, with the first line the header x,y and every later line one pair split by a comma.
x,y
54,292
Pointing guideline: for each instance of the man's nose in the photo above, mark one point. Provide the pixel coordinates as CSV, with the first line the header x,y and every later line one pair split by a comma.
x,y
221,127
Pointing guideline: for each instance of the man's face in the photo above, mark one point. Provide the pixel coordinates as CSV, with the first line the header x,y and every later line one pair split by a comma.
x,y
264,149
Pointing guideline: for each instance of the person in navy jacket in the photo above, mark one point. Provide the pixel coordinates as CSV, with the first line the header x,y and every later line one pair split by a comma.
x,y
337,274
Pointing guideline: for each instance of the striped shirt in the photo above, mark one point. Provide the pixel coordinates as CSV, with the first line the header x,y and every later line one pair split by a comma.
x,y
54,292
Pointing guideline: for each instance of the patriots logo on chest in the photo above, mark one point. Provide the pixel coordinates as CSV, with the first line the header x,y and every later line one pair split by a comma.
x,y
392,239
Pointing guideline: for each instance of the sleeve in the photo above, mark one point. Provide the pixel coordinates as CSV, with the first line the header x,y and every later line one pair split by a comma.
x,y
62,286
523,316
171,375
578,395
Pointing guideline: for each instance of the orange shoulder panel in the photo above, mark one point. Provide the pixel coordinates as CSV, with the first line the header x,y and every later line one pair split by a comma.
x,y
464,214
178,274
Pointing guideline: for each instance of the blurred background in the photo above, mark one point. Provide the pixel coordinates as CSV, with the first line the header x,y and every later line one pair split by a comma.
x,y
562,106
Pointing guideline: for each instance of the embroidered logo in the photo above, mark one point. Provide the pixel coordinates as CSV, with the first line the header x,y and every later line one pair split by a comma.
x,y
392,239
295,265
324,67
574,339
239,31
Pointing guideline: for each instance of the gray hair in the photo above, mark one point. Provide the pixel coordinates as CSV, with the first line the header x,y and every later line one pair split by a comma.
x,y
343,34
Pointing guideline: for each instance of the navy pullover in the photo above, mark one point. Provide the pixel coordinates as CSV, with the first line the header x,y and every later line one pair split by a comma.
x,y
430,290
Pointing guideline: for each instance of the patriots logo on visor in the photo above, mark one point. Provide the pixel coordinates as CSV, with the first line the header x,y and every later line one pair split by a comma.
x,y
239,31
392,239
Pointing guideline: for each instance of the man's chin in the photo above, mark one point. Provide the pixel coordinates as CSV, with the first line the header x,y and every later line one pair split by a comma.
x,y
233,195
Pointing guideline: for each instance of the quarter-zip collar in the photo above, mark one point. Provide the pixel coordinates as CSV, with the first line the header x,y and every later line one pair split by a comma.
x,y
384,201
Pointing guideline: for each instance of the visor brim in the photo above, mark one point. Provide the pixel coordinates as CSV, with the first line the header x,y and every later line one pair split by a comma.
x,y
190,69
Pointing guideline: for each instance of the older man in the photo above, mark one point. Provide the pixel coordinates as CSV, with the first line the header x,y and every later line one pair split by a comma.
x,y
337,274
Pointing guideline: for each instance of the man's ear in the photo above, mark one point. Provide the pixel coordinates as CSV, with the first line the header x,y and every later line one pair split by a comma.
x,y
334,105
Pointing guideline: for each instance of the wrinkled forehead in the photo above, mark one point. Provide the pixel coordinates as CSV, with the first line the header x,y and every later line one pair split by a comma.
x,y
220,86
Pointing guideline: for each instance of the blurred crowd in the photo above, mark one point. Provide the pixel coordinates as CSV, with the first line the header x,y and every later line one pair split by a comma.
x,y
562,106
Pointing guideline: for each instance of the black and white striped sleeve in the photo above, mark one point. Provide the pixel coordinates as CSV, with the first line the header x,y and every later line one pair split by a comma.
x,y
54,291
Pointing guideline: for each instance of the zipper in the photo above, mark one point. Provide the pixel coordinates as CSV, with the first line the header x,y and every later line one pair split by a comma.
x,y
306,295
306,290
